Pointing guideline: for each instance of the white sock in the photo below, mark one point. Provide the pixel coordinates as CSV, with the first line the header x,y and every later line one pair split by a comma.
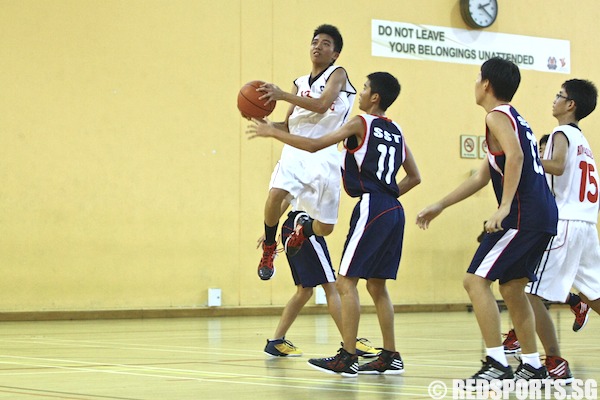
x,y
497,353
532,359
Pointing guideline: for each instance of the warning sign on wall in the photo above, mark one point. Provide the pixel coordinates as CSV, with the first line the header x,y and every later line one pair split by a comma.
x,y
469,146
482,147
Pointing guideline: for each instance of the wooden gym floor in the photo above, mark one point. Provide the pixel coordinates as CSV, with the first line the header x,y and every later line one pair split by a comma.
x,y
222,358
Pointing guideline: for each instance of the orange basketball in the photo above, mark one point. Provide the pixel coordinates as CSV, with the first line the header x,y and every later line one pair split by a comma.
x,y
249,104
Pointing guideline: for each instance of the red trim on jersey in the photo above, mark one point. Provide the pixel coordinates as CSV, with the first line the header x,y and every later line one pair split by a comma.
x,y
381,116
487,130
501,153
364,123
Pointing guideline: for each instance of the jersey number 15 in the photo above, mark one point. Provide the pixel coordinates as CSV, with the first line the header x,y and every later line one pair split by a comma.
x,y
587,176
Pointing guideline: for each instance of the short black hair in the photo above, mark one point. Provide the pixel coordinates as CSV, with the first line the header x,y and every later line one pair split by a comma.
x,y
503,75
584,94
544,139
332,31
386,85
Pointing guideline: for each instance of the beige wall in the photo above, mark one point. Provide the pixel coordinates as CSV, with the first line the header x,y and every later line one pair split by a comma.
x,y
125,178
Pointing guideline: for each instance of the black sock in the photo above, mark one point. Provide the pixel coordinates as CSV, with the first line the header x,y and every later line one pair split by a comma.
x,y
307,228
270,233
387,352
573,299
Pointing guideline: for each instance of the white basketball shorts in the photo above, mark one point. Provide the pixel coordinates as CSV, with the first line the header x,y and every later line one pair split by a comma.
x,y
572,259
312,180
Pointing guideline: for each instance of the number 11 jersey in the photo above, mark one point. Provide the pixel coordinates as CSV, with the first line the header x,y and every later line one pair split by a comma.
x,y
371,166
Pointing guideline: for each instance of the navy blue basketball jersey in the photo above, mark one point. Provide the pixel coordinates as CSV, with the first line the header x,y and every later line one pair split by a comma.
x,y
533,207
371,167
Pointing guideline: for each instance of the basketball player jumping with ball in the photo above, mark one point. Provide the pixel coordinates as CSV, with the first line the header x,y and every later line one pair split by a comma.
x,y
319,103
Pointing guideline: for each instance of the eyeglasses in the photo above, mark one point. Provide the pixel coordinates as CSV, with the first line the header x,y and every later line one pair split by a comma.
x,y
560,96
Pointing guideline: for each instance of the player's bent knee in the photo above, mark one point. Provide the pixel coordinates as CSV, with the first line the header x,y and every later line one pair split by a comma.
x,y
277,195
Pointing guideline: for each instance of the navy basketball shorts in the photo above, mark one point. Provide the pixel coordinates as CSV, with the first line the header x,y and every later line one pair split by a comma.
x,y
509,254
374,244
311,266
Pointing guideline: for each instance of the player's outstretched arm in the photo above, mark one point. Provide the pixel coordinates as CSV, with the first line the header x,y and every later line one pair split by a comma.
x,y
472,185
261,129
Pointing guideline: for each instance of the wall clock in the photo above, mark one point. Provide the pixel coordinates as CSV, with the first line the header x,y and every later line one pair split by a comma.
x,y
479,13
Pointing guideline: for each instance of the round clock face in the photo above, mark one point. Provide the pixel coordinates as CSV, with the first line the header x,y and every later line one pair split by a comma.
x,y
479,13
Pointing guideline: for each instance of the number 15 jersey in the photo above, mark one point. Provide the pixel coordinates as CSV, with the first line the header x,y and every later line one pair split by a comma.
x,y
576,190
371,167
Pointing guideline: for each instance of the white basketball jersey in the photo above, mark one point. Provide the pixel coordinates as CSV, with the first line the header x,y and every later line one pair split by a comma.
x,y
311,124
576,190
313,179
